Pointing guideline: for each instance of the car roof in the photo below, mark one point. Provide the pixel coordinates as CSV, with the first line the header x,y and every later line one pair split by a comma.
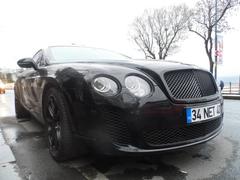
x,y
81,46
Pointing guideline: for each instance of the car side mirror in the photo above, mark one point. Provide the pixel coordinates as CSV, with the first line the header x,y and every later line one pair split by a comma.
x,y
27,63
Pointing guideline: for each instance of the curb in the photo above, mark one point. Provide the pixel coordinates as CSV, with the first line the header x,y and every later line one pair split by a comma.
x,y
234,97
7,161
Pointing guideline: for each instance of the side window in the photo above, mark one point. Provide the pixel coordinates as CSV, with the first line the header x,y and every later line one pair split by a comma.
x,y
37,58
42,63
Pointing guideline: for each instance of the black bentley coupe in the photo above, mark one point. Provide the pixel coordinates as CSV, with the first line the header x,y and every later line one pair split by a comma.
x,y
94,99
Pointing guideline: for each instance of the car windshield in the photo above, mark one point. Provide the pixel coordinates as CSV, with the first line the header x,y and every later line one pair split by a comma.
x,y
71,54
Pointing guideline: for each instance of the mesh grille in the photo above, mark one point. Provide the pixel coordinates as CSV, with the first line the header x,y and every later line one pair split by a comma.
x,y
206,83
177,135
116,125
190,84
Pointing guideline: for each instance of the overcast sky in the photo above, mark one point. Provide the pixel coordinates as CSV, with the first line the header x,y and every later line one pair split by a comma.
x,y
28,25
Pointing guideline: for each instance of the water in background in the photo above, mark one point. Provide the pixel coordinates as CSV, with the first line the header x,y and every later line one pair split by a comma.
x,y
227,79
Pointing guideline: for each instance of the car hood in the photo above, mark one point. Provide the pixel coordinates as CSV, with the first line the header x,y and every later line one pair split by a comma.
x,y
152,68
157,65
153,65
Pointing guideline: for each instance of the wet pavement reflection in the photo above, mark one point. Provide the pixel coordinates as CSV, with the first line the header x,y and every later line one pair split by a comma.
x,y
6,104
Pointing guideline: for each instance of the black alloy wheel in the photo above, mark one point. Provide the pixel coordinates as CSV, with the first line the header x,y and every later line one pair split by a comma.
x,y
57,117
54,128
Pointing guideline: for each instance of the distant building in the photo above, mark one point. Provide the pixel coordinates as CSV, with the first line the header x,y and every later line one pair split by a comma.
x,y
8,75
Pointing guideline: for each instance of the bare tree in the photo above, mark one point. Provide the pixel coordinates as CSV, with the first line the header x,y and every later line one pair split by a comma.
x,y
204,19
158,32
143,36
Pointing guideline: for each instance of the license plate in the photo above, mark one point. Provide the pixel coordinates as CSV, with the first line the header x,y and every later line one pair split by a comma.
x,y
203,113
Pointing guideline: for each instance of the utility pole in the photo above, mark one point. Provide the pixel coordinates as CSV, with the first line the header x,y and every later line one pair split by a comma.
x,y
216,50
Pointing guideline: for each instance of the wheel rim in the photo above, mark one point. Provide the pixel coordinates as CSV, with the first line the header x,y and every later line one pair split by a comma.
x,y
53,120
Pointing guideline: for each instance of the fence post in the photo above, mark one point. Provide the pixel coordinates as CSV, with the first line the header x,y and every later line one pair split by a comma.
x,y
230,86
239,85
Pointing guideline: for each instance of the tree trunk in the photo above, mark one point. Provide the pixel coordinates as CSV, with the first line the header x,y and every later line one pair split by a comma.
x,y
211,63
211,66
209,54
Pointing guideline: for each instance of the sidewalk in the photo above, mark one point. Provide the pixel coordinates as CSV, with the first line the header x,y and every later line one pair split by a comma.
x,y
7,161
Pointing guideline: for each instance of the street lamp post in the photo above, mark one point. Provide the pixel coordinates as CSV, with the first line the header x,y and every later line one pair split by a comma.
x,y
215,73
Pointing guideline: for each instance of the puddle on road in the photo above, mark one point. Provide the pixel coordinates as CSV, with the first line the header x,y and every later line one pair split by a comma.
x,y
145,169
126,168
11,134
232,168
204,153
26,135
16,131
197,162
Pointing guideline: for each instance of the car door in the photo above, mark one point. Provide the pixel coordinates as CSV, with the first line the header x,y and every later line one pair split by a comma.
x,y
36,80
24,89
36,83
29,81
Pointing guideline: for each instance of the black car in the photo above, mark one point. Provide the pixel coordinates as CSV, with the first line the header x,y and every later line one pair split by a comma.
x,y
94,99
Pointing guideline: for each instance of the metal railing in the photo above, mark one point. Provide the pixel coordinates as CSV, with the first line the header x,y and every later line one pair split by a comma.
x,y
231,88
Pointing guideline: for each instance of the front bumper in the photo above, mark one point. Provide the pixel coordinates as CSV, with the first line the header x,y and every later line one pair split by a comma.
x,y
183,144
154,127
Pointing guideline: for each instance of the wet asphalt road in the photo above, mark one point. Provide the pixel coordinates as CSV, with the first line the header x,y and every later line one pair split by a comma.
x,y
217,159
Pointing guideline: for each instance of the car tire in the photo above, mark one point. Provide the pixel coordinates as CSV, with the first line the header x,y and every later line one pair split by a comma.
x,y
20,111
59,132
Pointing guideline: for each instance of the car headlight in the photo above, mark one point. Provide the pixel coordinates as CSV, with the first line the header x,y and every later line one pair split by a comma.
x,y
137,86
105,86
